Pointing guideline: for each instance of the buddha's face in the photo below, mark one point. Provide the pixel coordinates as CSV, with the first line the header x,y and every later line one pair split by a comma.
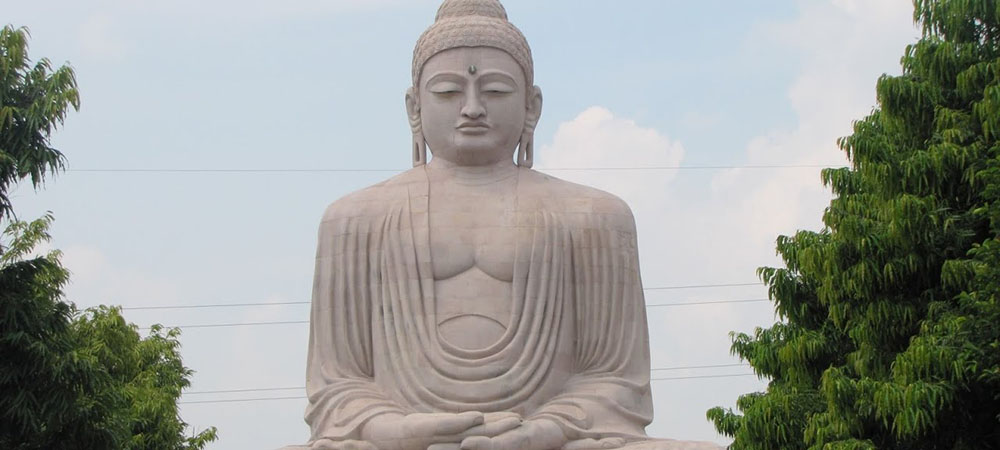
x,y
473,105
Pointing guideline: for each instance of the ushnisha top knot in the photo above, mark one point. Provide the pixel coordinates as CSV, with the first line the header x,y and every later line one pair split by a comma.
x,y
472,23
483,8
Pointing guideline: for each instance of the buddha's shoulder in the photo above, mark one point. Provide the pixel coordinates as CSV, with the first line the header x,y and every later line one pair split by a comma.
x,y
543,192
375,200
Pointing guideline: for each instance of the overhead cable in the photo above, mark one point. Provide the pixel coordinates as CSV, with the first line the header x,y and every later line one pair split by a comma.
x,y
544,169
303,322
302,397
234,391
233,305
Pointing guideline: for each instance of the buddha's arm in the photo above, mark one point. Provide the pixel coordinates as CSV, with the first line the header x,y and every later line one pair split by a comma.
x,y
610,396
339,379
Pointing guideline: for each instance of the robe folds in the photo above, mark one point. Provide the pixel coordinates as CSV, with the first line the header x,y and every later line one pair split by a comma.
x,y
575,351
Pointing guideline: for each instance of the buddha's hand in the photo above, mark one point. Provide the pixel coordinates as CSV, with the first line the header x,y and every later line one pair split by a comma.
x,y
421,431
539,434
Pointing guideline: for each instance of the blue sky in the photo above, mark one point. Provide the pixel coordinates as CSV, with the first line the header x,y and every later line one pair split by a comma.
x,y
309,84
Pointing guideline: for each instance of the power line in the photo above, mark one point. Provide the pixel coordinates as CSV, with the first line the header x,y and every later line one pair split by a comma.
x,y
217,305
232,305
235,305
714,366
302,322
755,300
370,170
242,400
302,397
234,391
705,376
229,325
701,286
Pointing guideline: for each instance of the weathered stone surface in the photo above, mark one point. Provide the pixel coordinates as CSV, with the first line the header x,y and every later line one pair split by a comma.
x,y
472,302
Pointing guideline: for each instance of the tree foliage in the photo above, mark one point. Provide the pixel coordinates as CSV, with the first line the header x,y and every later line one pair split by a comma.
x,y
49,389
148,374
34,99
80,380
68,380
890,335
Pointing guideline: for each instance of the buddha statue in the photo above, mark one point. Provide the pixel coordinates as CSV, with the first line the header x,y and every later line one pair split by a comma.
x,y
472,302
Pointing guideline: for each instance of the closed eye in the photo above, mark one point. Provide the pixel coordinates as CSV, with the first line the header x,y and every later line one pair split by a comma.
x,y
497,88
445,87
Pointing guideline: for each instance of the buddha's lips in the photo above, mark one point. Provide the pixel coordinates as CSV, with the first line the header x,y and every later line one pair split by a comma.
x,y
472,125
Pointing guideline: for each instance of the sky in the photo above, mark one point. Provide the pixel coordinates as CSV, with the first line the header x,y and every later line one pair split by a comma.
x,y
186,86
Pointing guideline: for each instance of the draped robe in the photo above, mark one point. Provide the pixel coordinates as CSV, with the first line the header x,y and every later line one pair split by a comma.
x,y
576,348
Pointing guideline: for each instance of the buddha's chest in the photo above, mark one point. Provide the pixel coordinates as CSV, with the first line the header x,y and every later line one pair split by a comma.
x,y
474,229
474,241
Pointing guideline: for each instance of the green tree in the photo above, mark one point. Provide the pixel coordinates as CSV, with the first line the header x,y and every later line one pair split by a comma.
x,y
149,375
80,380
68,380
50,391
890,331
34,100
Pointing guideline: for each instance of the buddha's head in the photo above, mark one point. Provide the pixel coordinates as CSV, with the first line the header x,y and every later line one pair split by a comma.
x,y
472,101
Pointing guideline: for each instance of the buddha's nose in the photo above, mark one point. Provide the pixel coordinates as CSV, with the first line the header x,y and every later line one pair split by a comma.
x,y
473,107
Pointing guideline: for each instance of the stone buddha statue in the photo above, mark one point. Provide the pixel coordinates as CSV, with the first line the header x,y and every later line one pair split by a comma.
x,y
472,302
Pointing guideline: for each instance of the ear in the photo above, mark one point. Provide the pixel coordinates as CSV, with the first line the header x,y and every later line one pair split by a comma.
x,y
534,109
419,150
526,148
413,109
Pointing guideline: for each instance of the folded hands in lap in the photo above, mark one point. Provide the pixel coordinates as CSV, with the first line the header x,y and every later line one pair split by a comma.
x,y
463,431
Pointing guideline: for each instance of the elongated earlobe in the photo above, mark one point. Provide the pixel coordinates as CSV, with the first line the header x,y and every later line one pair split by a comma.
x,y
419,146
419,149
526,150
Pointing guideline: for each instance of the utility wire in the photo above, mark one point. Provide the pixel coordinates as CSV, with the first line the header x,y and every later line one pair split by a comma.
x,y
234,391
701,286
754,300
302,397
732,375
217,305
302,322
242,400
229,325
235,305
553,169
232,305
713,366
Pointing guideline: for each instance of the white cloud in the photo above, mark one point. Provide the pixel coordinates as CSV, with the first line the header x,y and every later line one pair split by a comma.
x,y
846,45
596,138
